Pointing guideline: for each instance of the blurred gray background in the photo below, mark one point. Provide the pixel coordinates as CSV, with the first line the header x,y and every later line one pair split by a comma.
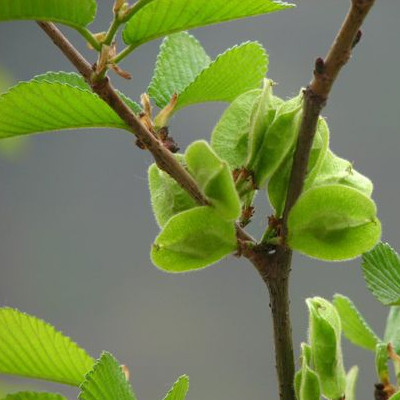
x,y
76,224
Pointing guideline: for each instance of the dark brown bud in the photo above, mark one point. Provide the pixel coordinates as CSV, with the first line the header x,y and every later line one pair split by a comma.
x,y
356,39
319,66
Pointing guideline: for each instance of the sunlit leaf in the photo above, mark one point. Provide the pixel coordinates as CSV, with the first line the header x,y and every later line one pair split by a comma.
x,y
106,381
76,13
381,269
32,348
13,148
192,240
333,222
234,72
179,389
54,101
34,396
162,17
180,60
77,81
355,328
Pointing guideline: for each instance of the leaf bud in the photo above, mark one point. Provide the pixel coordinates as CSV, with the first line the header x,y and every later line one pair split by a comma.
x,y
381,363
307,384
326,353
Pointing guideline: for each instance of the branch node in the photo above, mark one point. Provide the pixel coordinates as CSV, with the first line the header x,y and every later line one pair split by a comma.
x,y
99,85
318,101
168,142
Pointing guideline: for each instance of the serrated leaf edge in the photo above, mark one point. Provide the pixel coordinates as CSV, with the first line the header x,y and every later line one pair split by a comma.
x,y
9,396
178,381
55,332
151,90
365,271
136,44
218,60
92,10
360,318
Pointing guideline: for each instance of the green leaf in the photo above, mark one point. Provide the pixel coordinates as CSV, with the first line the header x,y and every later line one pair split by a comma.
x,y
277,186
327,359
381,362
336,170
278,140
392,329
106,381
34,396
333,223
162,17
230,136
13,148
180,60
355,328
351,381
32,348
168,198
234,72
396,396
381,270
214,178
75,13
69,78
77,81
179,389
51,102
192,240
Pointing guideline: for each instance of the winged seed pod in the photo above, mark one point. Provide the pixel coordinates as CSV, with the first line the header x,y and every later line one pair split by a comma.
x,y
261,117
277,185
278,140
336,170
326,353
168,198
214,178
333,222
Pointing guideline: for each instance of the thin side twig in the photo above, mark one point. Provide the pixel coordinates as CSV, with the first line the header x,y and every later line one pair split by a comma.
x,y
104,89
164,158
